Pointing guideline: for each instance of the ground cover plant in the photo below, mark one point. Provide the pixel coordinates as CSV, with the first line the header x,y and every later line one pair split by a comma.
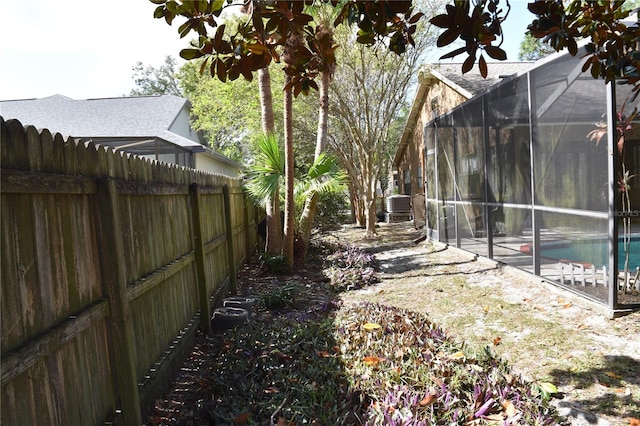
x,y
312,359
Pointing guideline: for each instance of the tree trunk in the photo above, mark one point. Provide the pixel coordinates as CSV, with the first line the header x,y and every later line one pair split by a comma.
x,y
289,209
266,100
307,218
273,244
311,203
370,208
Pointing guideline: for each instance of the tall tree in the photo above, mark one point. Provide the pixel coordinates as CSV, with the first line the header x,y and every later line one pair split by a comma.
x,y
150,80
368,94
272,26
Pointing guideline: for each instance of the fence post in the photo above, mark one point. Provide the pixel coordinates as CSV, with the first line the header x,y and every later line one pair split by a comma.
x,y
198,242
247,230
233,284
115,285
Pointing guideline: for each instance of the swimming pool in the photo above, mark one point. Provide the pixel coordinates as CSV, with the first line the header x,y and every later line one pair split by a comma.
x,y
593,251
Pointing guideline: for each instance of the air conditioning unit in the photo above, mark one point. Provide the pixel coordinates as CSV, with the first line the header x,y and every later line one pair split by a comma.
x,y
399,204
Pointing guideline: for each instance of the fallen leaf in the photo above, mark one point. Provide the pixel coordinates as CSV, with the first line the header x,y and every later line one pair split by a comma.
x,y
381,291
282,356
634,422
497,341
428,400
457,355
486,309
324,354
582,327
271,390
242,418
509,408
371,360
560,301
566,356
494,417
370,326
567,305
282,422
613,375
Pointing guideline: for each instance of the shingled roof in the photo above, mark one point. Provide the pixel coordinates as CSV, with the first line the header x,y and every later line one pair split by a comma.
x,y
472,83
124,117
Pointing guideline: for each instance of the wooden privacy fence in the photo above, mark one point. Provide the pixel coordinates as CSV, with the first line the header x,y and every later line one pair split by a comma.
x,y
109,265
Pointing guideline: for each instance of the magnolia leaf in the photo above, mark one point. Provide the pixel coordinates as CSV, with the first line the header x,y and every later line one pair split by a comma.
x,y
242,418
415,18
448,36
509,408
467,65
189,54
428,400
454,53
496,53
371,360
442,21
482,65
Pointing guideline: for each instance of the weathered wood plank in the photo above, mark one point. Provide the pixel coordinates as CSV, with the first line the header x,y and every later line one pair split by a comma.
x,y
198,243
116,287
233,282
17,362
28,182
10,302
141,188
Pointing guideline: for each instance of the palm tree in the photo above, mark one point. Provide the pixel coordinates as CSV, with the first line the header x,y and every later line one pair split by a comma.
x,y
266,175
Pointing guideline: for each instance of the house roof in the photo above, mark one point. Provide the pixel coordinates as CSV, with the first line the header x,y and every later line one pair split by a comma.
x,y
471,83
124,117
468,85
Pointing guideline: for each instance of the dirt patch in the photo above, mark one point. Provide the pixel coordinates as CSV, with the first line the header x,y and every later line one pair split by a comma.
x,y
546,334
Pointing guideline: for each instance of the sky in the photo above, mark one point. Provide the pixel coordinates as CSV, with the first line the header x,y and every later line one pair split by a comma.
x,y
86,49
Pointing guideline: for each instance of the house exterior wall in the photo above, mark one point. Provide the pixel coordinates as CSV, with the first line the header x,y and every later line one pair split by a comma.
x,y
206,162
181,125
438,98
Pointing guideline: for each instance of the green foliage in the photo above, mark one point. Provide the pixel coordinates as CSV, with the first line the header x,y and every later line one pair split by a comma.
x,y
227,113
331,210
150,80
264,175
282,296
323,177
532,49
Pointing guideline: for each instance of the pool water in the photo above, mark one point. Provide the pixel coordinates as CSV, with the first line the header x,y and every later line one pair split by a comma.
x,y
594,251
